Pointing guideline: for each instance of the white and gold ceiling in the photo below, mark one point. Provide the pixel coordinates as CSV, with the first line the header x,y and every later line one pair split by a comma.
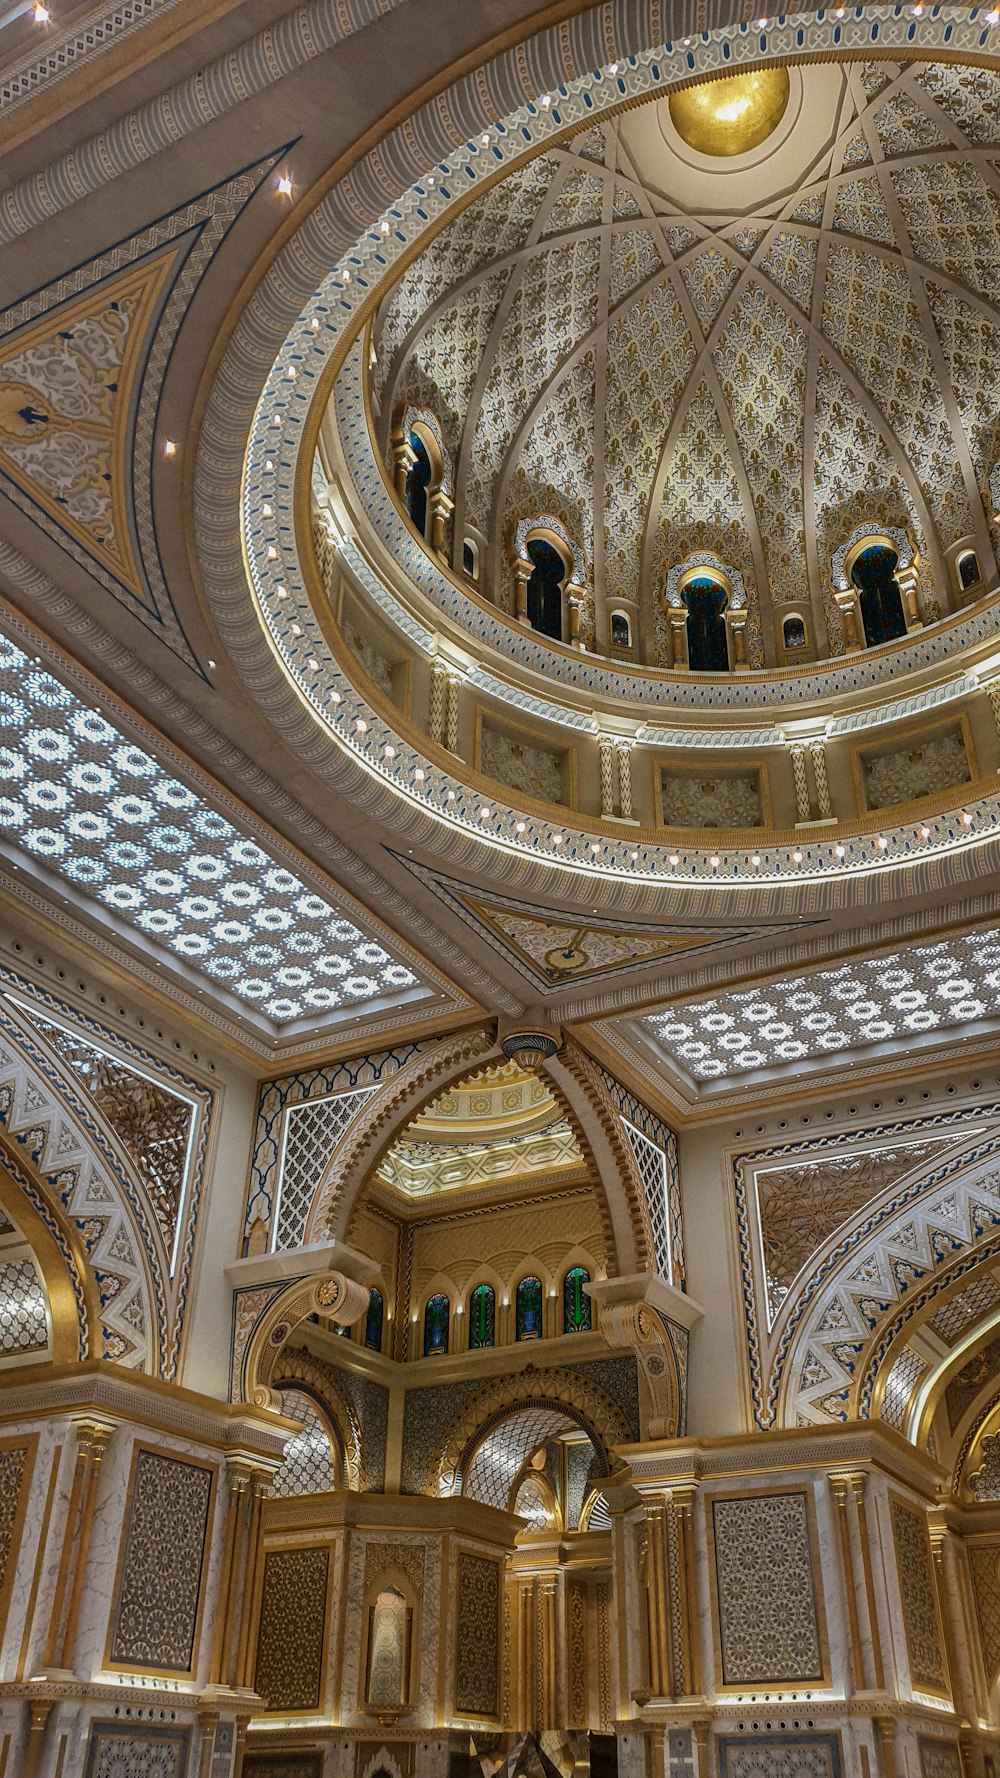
x,y
672,350
380,803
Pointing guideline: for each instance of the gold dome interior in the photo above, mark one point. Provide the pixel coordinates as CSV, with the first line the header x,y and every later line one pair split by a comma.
x,y
729,117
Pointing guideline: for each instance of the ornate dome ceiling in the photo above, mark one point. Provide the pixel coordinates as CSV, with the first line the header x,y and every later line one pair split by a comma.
x,y
672,352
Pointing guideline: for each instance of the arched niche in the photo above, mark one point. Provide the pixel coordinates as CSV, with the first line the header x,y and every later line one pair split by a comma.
x,y
391,1636
423,474
705,602
550,580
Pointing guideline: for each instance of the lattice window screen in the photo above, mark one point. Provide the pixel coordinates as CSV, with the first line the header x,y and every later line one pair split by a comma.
x,y
652,1164
310,1465
312,1132
899,1384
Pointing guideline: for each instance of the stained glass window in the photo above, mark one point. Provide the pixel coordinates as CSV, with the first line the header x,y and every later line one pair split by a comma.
x,y
482,1316
544,592
373,1321
436,1316
576,1302
528,1316
708,650
878,595
418,481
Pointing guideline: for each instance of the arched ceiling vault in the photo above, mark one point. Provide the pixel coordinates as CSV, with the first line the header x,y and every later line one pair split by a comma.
x,y
740,372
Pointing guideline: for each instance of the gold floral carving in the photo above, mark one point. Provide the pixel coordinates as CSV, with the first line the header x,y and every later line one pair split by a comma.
x,y
409,1558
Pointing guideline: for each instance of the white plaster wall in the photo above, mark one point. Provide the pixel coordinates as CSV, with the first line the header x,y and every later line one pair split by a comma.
x,y
715,1389
205,1366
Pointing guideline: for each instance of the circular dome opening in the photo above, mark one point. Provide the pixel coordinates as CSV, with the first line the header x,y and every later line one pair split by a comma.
x,y
731,116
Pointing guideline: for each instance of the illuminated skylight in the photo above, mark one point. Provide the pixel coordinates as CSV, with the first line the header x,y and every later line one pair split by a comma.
x,y
856,1006
89,804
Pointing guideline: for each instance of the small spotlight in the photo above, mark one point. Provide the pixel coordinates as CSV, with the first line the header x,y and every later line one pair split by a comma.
x,y
169,447
41,14
284,185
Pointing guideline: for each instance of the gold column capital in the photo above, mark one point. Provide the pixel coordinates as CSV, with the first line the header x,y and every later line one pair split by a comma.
x,y
684,1496
93,1436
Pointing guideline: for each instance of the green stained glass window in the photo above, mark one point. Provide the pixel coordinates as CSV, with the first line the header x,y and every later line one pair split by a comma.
x,y
373,1321
436,1316
576,1302
528,1315
482,1316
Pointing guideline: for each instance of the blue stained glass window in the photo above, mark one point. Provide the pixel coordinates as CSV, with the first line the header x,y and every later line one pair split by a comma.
x,y
482,1316
528,1310
577,1308
544,593
874,575
418,481
708,650
436,1318
373,1321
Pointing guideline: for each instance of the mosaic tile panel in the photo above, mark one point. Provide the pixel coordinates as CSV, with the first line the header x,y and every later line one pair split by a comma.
x,y
915,1566
163,1564
289,1671
780,1756
768,1622
477,1653
131,1750
23,1324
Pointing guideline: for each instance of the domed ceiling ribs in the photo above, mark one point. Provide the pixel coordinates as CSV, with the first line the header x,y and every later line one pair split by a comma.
x,y
662,376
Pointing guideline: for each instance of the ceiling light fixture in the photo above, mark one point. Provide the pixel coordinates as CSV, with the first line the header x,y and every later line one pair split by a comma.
x,y
284,185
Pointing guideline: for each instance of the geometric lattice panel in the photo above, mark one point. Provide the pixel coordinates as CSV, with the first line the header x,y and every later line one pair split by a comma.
x,y
312,1132
652,1164
831,1011
477,1642
768,1624
310,1465
915,1566
289,1667
90,805
163,1564
23,1323
131,1750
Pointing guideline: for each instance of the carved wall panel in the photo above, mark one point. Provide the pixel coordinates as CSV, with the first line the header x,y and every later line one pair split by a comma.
x,y
921,1621
131,1750
537,771
162,1563
16,1463
290,1640
984,1567
939,1759
780,1756
770,1630
283,1765
706,799
926,765
477,1652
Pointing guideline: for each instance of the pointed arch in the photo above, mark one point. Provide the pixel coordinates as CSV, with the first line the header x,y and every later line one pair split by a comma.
x,y
76,1177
